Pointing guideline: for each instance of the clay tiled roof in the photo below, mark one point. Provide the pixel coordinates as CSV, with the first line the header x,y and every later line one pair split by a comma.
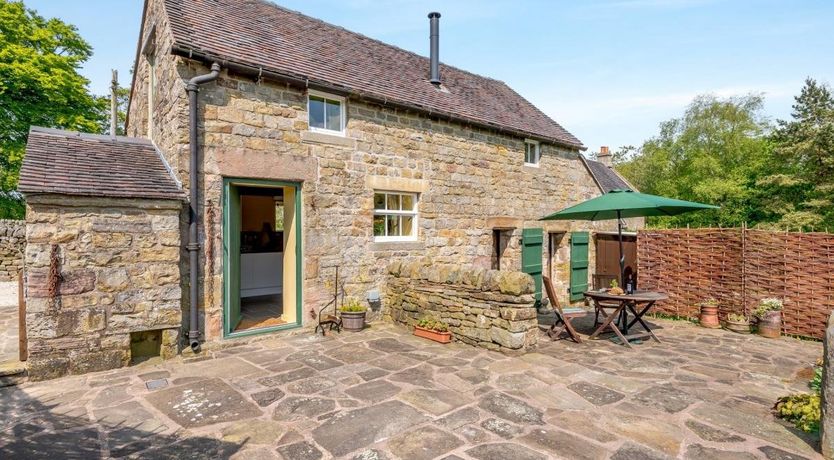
x,y
606,178
263,36
71,163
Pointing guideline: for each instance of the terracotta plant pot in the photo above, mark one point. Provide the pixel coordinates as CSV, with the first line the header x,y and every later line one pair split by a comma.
x,y
770,325
353,321
709,316
740,327
442,337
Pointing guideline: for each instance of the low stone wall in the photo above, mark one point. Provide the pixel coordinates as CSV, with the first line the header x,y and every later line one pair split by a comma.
x,y
97,270
486,308
827,403
12,243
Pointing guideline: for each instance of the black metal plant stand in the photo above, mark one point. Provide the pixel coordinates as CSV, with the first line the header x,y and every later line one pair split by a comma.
x,y
334,321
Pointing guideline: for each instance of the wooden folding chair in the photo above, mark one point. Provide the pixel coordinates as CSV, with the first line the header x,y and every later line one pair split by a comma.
x,y
564,316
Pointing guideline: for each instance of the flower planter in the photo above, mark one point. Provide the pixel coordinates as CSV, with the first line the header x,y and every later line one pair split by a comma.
x,y
770,325
442,337
709,316
740,327
353,321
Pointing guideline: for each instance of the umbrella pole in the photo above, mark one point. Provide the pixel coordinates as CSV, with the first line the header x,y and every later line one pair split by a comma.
x,y
622,256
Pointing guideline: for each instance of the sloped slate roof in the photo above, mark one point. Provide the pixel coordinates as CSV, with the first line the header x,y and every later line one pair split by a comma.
x,y
265,36
606,177
71,163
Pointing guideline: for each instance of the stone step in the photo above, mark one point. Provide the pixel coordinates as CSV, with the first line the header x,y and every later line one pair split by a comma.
x,y
12,373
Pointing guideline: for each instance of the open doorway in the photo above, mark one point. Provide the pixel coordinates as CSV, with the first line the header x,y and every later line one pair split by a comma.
x,y
261,260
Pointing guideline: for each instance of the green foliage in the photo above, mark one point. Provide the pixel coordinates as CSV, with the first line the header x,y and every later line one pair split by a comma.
x,y
353,305
39,85
433,324
816,382
801,409
725,152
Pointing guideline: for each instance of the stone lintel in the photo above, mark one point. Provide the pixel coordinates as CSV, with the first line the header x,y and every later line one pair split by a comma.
x,y
396,184
265,165
504,223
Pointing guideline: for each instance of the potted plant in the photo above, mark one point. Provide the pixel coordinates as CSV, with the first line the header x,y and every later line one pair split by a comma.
x,y
769,318
353,315
433,329
709,314
615,288
737,323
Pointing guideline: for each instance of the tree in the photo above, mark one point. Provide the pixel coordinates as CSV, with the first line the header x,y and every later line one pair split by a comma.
x,y
713,154
803,179
39,85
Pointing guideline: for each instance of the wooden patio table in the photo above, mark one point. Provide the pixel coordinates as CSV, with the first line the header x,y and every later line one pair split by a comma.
x,y
637,303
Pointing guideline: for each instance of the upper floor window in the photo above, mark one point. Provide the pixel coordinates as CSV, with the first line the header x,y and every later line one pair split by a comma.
x,y
326,113
532,153
395,216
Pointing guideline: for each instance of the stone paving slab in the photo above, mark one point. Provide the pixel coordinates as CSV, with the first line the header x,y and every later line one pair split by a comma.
x,y
384,394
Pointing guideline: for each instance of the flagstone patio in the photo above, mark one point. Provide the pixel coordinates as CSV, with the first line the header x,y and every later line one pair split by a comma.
x,y
384,394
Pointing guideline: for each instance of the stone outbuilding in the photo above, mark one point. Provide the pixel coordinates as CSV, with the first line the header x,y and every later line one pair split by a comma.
x,y
102,260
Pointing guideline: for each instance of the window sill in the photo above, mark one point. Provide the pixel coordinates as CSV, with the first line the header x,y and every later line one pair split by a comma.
x,y
532,165
314,137
397,246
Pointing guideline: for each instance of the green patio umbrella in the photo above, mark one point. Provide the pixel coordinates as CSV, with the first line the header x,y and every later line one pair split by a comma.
x,y
623,204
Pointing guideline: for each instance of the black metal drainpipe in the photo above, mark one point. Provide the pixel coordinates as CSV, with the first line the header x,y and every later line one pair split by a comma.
x,y
193,245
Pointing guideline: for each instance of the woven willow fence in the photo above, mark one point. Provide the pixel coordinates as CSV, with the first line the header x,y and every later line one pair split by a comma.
x,y
739,267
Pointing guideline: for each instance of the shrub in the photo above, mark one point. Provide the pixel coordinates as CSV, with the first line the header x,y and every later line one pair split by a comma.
x,y
352,305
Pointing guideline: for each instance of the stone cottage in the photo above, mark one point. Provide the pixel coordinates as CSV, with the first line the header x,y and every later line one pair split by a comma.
x,y
300,148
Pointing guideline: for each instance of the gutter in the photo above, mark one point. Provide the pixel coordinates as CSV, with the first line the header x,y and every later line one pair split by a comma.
x,y
303,82
193,246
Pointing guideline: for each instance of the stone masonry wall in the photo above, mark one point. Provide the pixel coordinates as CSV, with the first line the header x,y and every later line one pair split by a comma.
x,y
98,269
12,244
485,308
258,129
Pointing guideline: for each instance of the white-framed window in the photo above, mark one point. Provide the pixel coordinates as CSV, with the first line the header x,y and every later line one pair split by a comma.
x,y
326,113
395,216
532,152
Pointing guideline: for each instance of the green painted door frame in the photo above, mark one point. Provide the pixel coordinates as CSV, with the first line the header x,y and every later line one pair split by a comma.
x,y
231,254
531,257
578,265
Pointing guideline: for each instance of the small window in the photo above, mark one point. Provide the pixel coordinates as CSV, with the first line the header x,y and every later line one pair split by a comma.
x,y
395,216
532,153
326,113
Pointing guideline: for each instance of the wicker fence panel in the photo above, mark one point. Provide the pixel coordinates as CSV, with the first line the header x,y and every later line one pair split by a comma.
x,y
739,267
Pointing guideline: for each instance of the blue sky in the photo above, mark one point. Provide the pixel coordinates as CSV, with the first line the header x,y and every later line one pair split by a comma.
x,y
608,70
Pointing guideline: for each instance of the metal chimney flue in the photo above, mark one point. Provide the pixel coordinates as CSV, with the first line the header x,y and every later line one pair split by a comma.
x,y
434,35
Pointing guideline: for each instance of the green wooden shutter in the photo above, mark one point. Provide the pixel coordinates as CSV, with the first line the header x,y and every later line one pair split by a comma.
x,y
578,265
531,257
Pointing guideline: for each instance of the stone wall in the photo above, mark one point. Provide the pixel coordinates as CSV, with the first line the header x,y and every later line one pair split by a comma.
x,y
485,308
258,129
98,269
12,244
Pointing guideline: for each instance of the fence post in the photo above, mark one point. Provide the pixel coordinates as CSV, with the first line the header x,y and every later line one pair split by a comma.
x,y
744,268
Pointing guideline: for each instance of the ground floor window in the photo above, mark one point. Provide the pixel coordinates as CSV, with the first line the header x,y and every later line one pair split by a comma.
x,y
395,216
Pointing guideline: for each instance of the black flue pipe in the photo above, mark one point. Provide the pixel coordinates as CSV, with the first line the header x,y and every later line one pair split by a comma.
x,y
193,246
434,36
